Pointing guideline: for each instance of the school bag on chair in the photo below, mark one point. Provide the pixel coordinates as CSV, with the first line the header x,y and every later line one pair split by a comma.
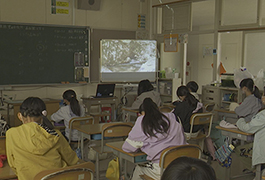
x,y
113,171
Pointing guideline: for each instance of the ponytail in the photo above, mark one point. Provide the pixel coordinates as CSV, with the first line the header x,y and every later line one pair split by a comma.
x,y
256,92
153,121
70,96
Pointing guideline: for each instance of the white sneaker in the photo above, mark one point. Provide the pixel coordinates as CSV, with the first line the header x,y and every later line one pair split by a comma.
x,y
225,124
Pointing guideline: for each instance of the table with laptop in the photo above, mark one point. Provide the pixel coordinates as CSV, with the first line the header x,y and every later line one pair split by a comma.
x,y
104,96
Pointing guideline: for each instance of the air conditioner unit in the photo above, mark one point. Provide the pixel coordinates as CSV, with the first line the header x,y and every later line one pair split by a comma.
x,y
93,5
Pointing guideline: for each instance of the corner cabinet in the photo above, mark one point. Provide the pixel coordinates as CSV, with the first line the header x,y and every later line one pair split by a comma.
x,y
221,96
167,89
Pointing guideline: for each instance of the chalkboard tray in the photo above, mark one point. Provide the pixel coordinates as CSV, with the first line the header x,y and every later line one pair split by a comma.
x,y
41,54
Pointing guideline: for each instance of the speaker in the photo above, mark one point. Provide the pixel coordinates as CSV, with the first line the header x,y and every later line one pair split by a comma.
x,y
93,5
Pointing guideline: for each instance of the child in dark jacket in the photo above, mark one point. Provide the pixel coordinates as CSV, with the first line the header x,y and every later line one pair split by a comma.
x,y
186,107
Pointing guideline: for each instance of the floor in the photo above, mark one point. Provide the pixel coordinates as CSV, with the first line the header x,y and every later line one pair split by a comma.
x,y
236,169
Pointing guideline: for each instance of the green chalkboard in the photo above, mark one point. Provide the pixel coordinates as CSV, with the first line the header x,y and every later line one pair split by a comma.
x,y
41,54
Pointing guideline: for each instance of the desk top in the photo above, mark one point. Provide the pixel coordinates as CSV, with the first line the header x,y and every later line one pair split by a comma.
x,y
225,111
98,99
237,131
118,146
90,128
6,172
130,110
19,102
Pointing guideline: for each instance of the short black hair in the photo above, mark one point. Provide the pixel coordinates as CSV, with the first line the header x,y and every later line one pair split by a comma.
x,y
193,86
144,86
187,168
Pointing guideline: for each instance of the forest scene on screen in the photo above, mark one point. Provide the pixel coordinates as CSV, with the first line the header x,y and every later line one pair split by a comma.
x,y
128,56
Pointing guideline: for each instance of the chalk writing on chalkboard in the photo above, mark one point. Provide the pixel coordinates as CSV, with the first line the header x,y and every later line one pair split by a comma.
x,y
40,54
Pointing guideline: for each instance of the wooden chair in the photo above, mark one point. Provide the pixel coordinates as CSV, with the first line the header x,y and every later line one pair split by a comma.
x,y
80,171
174,152
204,119
209,107
166,109
78,121
111,131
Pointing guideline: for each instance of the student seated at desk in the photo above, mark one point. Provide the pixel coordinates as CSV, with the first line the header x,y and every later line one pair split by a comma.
x,y
183,111
66,113
34,147
187,106
152,133
193,88
146,90
252,103
257,127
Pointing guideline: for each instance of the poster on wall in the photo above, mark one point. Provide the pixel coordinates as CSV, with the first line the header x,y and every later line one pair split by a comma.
x,y
59,7
171,43
141,21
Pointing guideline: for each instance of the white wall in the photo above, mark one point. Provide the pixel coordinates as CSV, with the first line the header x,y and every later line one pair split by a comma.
x,y
172,59
254,52
231,50
201,69
113,14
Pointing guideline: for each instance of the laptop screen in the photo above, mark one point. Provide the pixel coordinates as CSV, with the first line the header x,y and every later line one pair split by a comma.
x,y
105,90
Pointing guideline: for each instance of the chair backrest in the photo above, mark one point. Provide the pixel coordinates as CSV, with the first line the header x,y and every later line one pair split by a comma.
x,y
79,121
80,171
209,107
201,119
115,130
2,145
172,153
166,109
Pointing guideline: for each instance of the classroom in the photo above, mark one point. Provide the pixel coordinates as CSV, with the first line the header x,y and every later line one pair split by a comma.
x,y
48,47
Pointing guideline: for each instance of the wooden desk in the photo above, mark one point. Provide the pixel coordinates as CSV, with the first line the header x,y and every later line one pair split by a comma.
x,y
52,105
86,131
99,102
6,172
137,157
127,113
134,157
236,133
230,116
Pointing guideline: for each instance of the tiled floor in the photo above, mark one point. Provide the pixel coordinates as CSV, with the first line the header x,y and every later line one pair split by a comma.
x,y
236,169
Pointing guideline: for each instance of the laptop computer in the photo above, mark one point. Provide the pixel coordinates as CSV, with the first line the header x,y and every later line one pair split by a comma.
x,y
105,90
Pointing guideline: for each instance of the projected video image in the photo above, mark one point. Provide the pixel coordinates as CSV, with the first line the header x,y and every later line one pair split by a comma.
x,y
128,56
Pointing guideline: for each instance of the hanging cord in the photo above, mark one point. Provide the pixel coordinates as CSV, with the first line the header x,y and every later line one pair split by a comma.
x,y
120,105
172,22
